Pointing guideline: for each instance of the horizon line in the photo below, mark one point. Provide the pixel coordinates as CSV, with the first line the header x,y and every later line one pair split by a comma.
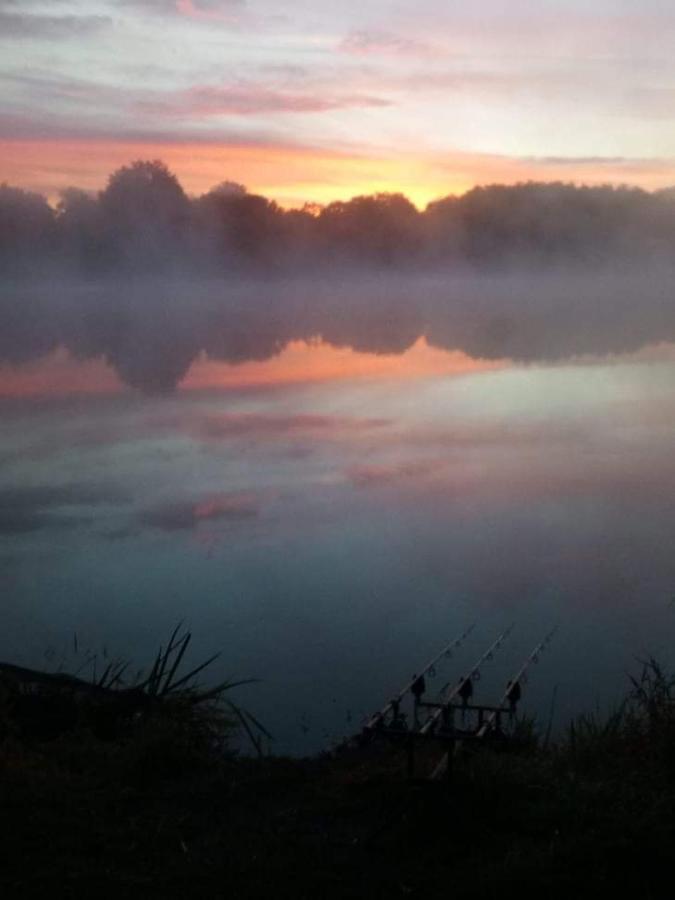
x,y
575,184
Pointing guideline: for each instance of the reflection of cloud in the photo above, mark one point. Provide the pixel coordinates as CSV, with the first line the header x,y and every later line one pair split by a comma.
x,y
43,496
179,515
19,521
24,509
463,436
120,534
568,475
271,426
9,570
394,473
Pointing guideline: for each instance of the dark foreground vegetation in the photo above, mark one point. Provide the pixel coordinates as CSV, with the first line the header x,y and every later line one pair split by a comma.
x,y
144,222
162,806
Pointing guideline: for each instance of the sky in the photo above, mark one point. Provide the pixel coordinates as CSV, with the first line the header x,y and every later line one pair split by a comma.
x,y
312,100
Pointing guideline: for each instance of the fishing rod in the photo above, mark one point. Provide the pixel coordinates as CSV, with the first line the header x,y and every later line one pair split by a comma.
x,y
457,690
445,652
512,693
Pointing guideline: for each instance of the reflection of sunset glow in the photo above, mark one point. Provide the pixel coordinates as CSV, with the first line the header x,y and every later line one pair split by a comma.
x,y
321,362
59,375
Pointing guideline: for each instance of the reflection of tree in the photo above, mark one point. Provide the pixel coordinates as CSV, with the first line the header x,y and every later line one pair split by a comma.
x,y
151,335
378,325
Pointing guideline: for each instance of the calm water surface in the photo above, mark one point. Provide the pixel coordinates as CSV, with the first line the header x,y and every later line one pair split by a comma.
x,y
329,519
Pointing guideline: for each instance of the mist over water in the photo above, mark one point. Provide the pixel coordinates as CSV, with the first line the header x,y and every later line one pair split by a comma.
x,y
450,449
151,331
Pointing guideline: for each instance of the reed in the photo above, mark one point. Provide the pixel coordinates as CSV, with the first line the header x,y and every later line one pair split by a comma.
x,y
111,705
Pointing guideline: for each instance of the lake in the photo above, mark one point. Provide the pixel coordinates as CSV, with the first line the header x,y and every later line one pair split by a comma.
x,y
328,517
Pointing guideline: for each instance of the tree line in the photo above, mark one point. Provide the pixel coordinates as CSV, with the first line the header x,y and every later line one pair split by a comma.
x,y
144,222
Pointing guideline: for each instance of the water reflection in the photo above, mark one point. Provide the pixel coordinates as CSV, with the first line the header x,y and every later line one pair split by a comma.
x,y
151,334
329,532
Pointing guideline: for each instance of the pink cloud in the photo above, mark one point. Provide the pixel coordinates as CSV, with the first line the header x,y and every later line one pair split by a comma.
x,y
250,99
382,42
222,10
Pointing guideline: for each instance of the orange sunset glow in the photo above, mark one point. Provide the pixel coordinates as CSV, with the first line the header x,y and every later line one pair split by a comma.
x,y
295,175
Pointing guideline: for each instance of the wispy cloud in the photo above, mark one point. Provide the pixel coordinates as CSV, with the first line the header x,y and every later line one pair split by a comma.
x,y
226,11
56,87
29,25
626,164
579,160
383,42
251,99
185,6
38,104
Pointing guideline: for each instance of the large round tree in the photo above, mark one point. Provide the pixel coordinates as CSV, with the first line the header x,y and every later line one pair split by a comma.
x,y
146,213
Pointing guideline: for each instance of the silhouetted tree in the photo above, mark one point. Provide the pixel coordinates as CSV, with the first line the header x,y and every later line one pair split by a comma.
x,y
144,222
237,228
145,215
543,221
27,231
300,243
80,230
382,228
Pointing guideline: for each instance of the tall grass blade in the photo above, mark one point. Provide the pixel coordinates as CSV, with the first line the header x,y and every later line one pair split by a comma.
x,y
181,647
195,671
247,728
214,692
150,682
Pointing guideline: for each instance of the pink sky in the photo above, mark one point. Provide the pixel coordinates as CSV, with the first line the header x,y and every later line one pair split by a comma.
x,y
317,101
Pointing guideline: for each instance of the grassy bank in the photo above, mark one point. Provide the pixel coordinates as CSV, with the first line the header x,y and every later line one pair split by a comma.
x,y
165,808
